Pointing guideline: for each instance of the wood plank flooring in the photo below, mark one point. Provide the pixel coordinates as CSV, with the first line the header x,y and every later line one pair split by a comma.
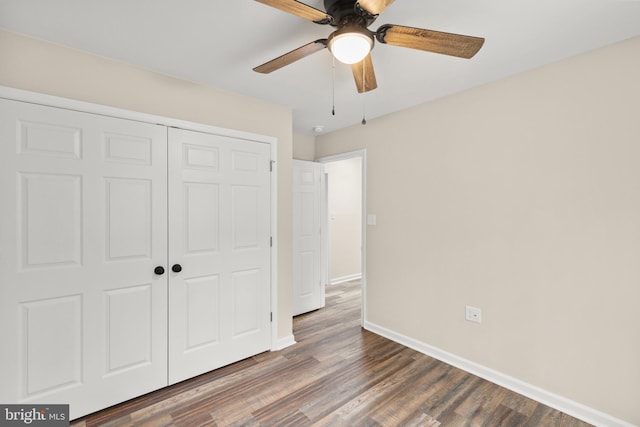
x,y
336,375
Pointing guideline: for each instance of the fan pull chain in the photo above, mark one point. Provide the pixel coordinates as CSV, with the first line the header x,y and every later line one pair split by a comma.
x,y
364,85
333,85
364,120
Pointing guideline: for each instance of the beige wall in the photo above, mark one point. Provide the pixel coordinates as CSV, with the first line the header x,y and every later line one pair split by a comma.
x,y
303,147
345,218
521,197
34,65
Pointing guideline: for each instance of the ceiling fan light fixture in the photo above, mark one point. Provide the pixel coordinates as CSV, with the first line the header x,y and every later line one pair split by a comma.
x,y
350,46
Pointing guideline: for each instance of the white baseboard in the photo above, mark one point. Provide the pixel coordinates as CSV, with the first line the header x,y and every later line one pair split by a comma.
x,y
282,343
575,409
343,279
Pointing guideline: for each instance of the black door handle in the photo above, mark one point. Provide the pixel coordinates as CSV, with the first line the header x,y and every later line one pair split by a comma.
x,y
176,268
159,270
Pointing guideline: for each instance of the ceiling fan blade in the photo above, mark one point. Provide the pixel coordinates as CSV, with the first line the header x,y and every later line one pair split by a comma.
x,y
364,75
299,9
430,41
374,7
291,57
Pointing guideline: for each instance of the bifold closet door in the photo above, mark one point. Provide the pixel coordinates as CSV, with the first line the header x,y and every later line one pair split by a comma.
x,y
219,245
83,226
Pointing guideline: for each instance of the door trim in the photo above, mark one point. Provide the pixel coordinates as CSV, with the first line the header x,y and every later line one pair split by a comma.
x,y
87,107
362,154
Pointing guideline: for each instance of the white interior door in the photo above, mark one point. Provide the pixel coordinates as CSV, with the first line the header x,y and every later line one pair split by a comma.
x,y
308,288
82,227
219,216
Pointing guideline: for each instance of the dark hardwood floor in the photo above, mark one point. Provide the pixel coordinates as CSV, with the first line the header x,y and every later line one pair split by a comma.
x,y
336,375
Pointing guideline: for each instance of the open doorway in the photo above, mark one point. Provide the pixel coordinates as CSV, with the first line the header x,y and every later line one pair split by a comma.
x,y
345,247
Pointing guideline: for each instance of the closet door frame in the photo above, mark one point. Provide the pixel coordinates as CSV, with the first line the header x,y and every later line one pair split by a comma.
x,y
71,104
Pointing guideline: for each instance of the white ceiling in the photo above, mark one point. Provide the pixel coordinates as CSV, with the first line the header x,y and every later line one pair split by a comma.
x,y
217,43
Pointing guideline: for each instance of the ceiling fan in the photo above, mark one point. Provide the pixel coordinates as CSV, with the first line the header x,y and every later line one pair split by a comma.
x,y
351,42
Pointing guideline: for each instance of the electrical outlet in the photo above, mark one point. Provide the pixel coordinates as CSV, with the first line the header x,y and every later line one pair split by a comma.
x,y
473,314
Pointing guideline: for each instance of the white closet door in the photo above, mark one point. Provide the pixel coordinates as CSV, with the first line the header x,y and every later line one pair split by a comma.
x,y
82,226
219,222
308,289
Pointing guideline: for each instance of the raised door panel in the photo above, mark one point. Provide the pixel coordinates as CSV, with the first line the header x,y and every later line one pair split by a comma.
x,y
219,216
51,329
82,316
48,139
202,307
128,217
245,218
49,216
127,149
202,217
245,318
128,337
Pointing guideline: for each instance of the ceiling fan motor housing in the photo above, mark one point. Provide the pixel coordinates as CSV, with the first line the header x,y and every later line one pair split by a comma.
x,y
350,19
345,12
